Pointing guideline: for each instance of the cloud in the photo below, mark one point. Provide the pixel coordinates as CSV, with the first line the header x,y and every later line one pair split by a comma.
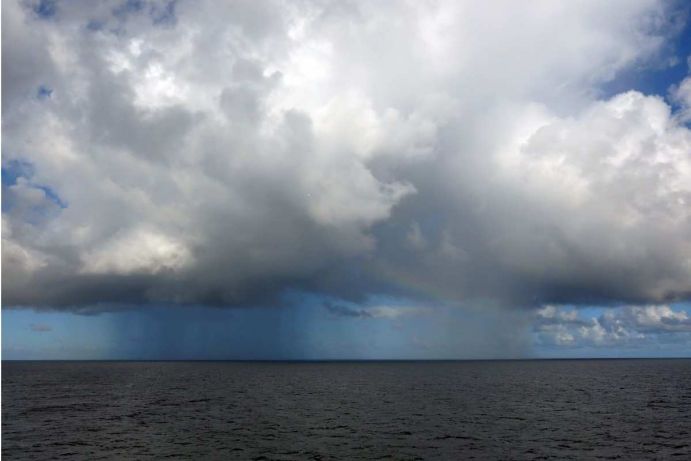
x,y
221,154
376,312
627,325
681,94
40,328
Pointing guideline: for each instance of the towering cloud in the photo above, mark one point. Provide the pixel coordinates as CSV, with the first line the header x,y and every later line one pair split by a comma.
x,y
223,153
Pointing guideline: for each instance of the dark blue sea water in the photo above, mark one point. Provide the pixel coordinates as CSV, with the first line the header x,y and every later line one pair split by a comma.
x,y
572,409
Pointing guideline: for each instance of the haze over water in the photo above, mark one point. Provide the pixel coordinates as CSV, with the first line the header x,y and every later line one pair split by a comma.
x,y
570,409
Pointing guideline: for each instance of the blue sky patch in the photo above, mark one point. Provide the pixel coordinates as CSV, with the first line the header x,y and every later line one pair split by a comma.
x,y
44,92
46,9
14,169
128,7
669,69
163,15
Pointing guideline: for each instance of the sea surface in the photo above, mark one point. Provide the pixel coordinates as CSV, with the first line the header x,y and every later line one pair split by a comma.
x,y
550,409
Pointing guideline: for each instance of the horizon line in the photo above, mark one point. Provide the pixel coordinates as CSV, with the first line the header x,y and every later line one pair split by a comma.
x,y
533,359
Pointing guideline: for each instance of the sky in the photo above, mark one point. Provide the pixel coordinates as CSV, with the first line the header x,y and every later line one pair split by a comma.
x,y
346,179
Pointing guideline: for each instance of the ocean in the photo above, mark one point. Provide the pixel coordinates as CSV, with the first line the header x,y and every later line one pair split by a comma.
x,y
533,409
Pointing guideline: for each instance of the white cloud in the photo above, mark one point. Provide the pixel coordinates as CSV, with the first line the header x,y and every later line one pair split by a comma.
x,y
139,251
627,325
394,312
681,94
377,311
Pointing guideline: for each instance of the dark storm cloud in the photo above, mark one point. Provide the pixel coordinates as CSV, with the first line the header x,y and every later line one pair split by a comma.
x,y
221,154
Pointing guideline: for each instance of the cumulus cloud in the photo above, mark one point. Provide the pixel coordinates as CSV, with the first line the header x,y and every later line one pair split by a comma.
x,y
223,153
621,326
681,94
